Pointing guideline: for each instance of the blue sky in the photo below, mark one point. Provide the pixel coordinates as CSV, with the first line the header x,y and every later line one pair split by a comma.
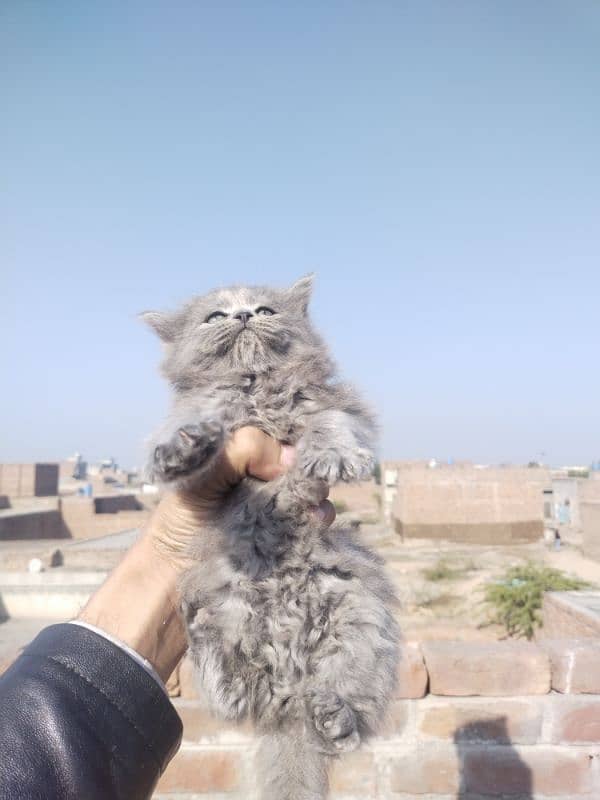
x,y
436,164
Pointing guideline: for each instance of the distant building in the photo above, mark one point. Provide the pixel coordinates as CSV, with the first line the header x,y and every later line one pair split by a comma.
x,y
29,480
73,468
482,505
589,503
29,503
391,472
31,508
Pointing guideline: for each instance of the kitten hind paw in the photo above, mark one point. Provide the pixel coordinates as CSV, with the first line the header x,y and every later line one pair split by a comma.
x,y
335,721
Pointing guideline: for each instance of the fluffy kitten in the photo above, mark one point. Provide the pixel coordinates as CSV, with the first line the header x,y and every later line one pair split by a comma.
x,y
289,624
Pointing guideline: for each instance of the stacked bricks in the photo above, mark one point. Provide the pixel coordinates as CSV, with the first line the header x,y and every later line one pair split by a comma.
x,y
510,720
569,615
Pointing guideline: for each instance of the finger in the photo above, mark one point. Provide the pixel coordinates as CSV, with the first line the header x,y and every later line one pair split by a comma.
x,y
250,451
324,512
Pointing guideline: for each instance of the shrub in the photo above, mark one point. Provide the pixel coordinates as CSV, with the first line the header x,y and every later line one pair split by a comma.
x,y
516,599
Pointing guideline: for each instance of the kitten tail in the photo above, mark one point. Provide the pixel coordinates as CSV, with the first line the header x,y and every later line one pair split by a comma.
x,y
290,768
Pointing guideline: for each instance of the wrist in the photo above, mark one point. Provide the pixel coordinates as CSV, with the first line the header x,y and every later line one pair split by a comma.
x,y
139,605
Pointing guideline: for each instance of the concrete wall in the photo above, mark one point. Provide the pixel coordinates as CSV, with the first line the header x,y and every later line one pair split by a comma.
x,y
491,505
29,480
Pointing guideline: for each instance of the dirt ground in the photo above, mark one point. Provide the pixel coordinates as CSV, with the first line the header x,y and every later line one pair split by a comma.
x,y
440,584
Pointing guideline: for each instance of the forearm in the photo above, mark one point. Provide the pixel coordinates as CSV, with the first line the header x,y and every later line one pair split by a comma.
x,y
138,604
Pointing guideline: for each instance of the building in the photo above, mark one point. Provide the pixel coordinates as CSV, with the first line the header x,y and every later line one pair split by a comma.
x,y
589,505
479,505
28,480
29,503
31,508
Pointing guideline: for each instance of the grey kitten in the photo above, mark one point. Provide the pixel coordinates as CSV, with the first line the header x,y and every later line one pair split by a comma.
x,y
289,623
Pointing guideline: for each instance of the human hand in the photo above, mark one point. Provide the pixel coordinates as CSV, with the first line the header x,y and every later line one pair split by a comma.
x,y
139,602
181,513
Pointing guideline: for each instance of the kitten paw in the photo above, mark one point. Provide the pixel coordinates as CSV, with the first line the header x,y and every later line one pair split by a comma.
x,y
335,721
188,450
332,466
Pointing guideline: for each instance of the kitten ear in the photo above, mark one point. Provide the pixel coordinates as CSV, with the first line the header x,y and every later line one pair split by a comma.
x,y
301,291
167,326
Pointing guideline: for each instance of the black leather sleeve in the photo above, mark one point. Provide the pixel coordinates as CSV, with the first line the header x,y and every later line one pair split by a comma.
x,y
81,720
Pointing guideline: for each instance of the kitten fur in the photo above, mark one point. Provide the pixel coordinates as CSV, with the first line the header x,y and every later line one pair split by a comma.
x,y
289,623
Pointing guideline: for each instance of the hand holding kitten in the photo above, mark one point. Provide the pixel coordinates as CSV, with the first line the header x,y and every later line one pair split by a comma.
x,y
248,451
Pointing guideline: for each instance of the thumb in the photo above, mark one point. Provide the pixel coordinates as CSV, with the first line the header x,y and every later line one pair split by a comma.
x,y
250,451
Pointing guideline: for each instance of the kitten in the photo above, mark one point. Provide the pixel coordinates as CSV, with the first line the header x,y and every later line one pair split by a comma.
x,y
289,623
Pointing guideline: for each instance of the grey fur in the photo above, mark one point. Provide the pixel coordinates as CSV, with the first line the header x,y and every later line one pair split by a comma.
x,y
289,624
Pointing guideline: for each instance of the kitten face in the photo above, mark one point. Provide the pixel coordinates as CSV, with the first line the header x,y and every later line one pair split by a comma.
x,y
237,329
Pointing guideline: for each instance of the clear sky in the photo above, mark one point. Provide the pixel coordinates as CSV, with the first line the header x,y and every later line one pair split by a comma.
x,y
437,164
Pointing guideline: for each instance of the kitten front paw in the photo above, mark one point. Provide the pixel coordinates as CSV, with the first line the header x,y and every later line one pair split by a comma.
x,y
332,466
190,449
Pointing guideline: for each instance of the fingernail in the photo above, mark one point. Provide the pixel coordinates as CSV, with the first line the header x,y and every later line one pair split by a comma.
x,y
288,455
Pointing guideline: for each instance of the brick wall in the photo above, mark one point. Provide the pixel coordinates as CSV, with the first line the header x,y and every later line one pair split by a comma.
x,y
496,505
44,524
572,614
362,499
82,522
114,503
590,521
470,720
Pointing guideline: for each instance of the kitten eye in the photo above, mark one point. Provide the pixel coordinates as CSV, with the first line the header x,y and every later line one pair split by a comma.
x,y
215,317
264,311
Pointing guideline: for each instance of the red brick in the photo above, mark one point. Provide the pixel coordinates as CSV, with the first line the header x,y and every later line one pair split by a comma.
x,y
429,770
486,668
504,771
575,720
412,674
201,771
575,665
355,773
504,721
397,718
563,618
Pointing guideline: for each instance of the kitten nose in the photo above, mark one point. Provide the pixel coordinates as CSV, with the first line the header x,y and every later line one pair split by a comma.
x,y
243,316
